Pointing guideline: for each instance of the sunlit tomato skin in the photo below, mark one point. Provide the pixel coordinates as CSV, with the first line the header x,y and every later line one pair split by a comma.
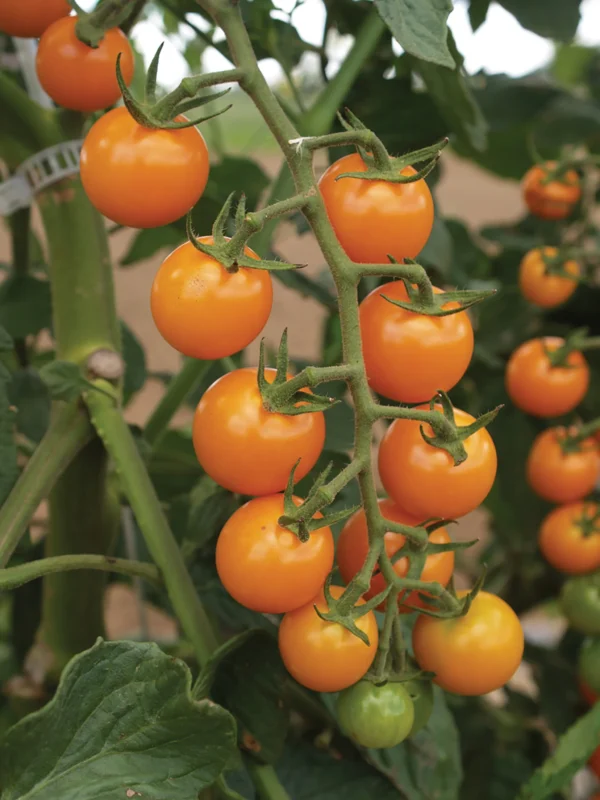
x,y
28,19
589,663
540,389
544,289
205,311
474,654
353,546
552,200
247,449
587,694
409,357
376,716
563,543
423,480
558,476
266,567
79,77
580,602
594,764
421,694
139,177
324,656
374,219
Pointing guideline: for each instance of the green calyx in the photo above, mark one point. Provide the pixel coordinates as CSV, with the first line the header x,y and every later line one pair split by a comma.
x,y
91,26
558,173
422,300
573,440
447,604
589,521
343,610
555,264
575,341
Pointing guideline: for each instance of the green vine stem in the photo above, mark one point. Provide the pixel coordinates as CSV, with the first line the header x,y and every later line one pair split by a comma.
x,y
266,781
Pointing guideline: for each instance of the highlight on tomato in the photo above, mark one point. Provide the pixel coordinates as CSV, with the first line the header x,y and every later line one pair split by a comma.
x,y
244,447
542,287
353,546
266,567
570,540
550,197
205,311
559,476
376,219
473,654
141,177
322,655
537,387
409,357
80,77
28,19
376,716
423,480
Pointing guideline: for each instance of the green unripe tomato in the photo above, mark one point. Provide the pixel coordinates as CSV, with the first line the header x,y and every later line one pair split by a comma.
x,y
580,599
589,664
376,716
421,694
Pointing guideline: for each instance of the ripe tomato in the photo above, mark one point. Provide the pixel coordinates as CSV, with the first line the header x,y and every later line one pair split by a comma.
x,y
205,311
580,601
79,77
376,716
324,656
553,200
409,357
538,388
30,18
587,694
353,545
266,567
247,449
423,479
563,543
589,663
541,288
421,694
558,476
474,654
374,219
139,177
594,763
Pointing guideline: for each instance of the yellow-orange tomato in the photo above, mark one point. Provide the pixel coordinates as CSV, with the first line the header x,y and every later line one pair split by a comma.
x,y
28,19
375,219
247,449
538,388
558,476
408,356
542,288
266,567
205,311
563,542
353,546
139,177
79,77
552,200
474,654
423,479
324,656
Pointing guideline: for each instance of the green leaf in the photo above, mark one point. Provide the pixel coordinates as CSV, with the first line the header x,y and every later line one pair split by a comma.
x,y
150,241
135,363
572,752
553,19
9,470
29,394
438,250
173,467
339,421
305,286
122,724
6,342
210,508
571,63
420,27
478,10
25,306
63,379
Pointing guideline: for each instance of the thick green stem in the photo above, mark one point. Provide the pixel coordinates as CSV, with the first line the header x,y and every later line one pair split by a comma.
x,y
266,781
69,431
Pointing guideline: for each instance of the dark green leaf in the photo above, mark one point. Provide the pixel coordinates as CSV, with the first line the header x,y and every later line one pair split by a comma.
x,y
174,467
339,421
438,251
25,306
6,342
210,508
553,19
419,27
122,721
9,470
305,286
29,394
63,379
478,10
135,363
571,63
150,241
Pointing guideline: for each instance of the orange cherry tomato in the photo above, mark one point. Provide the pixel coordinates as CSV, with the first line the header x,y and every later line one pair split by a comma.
x,y
139,177
563,542
423,479
552,200
540,389
474,654
28,19
587,694
374,219
247,449
79,77
266,567
558,476
205,311
542,288
594,762
324,656
409,357
353,546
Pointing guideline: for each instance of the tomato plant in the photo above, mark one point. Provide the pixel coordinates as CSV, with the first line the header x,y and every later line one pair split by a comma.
x,y
30,18
568,539
421,694
376,716
559,476
542,286
580,602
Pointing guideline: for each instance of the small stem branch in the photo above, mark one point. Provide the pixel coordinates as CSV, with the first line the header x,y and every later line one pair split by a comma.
x,y
189,87
254,221
68,433
362,138
266,781
327,494
309,378
391,612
